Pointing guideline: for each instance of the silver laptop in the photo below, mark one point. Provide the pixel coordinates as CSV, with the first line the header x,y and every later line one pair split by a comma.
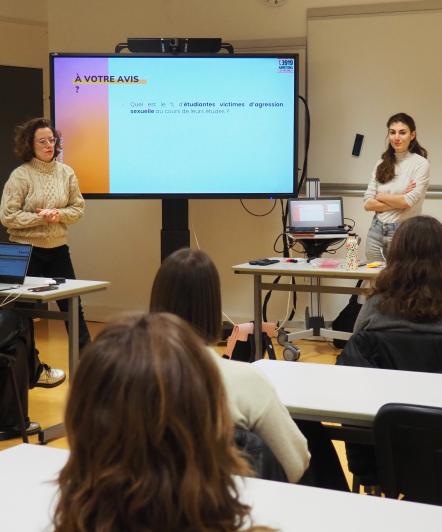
x,y
14,262
316,216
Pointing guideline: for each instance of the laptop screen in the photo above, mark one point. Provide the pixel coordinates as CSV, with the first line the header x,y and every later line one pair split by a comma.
x,y
14,261
310,215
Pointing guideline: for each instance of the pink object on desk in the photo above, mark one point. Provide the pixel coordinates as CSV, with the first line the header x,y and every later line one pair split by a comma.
x,y
329,263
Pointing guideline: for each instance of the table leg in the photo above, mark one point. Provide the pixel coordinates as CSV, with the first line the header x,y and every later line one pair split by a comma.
x,y
74,347
58,431
257,299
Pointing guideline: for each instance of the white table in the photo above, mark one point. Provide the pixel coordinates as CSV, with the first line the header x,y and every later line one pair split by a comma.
x,y
348,395
71,290
307,270
28,491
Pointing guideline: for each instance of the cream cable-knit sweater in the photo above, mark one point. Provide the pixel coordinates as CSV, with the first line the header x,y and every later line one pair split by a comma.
x,y
34,185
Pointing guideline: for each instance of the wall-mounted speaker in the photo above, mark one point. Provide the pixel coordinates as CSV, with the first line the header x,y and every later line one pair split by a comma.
x,y
357,145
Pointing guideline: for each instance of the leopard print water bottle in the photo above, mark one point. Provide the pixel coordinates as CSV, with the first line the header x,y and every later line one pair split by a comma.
x,y
351,246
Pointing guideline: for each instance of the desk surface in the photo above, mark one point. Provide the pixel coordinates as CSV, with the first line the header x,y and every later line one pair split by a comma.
x,y
347,394
28,490
308,269
72,287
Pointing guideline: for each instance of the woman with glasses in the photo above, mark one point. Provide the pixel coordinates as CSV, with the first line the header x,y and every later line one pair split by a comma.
x,y
40,199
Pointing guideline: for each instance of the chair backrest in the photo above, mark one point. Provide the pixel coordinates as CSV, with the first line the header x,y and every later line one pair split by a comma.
x,y
394,349
408,444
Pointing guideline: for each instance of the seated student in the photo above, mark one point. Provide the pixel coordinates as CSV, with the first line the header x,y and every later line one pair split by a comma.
x,y
187,284
150,435
408,292
401,316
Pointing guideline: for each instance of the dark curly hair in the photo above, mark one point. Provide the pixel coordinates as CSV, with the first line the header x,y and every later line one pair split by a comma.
x,y
24,138
410,286
385,170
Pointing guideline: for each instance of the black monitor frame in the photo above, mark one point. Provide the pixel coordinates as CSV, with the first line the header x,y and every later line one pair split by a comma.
x,y
205,195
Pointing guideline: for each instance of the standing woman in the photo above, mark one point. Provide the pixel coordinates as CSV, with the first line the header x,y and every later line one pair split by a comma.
x,y
397,187
40,198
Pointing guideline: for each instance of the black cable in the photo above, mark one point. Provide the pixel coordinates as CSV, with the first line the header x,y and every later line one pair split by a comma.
x,y
275,242
285,211
255,214
351,227
307,143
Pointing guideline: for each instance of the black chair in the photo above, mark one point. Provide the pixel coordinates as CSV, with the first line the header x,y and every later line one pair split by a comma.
x,y
400,349
408,446
260,457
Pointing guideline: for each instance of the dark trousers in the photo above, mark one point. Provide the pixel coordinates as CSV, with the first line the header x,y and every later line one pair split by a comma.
x,y
56,262
17,345
325,470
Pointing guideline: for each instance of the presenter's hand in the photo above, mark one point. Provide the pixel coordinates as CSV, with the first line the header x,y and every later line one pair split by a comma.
x,y
49,215
411,185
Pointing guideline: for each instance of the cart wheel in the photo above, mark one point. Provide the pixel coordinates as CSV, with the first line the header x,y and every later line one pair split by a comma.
x,y
282,337
291,353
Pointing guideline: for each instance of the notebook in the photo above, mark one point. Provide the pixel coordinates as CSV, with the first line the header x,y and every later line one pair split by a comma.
x,y
14,262
316,216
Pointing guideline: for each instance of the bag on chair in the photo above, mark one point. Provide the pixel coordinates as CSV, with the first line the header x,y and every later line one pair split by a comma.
x,y
241,343
346,319
15,341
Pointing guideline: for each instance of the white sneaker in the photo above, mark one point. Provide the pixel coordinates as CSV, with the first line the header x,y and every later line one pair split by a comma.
x,y
50,377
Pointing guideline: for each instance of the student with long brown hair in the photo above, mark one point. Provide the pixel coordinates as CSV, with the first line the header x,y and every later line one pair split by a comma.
x,y
397,187
187,284
150,436
400,324
408,291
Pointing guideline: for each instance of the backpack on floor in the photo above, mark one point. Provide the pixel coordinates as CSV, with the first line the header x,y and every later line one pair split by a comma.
x,y
241,343
16,346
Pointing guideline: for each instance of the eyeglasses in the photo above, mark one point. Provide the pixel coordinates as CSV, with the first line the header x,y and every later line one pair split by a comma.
x,y
42,142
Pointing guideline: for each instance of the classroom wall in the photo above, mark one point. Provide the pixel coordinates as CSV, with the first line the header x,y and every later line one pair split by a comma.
x,y
23,41
362,69
119,240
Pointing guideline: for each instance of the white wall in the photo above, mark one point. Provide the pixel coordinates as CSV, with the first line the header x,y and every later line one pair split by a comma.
x,y
359,76
119,240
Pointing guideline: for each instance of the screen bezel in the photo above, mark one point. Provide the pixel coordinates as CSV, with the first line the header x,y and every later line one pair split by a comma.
x,y
300,228
205,195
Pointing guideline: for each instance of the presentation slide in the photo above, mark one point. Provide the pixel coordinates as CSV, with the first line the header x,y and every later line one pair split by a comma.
x,y
177,125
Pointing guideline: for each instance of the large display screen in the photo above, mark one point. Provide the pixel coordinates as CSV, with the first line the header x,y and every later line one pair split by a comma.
x,y
178,126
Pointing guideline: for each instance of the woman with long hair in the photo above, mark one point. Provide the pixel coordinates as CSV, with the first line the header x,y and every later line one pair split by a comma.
x,y
400,324
397,187
150,435
408,291
187,284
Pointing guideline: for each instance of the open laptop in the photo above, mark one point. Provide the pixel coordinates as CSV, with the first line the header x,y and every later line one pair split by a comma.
x,y
14,262
316,216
